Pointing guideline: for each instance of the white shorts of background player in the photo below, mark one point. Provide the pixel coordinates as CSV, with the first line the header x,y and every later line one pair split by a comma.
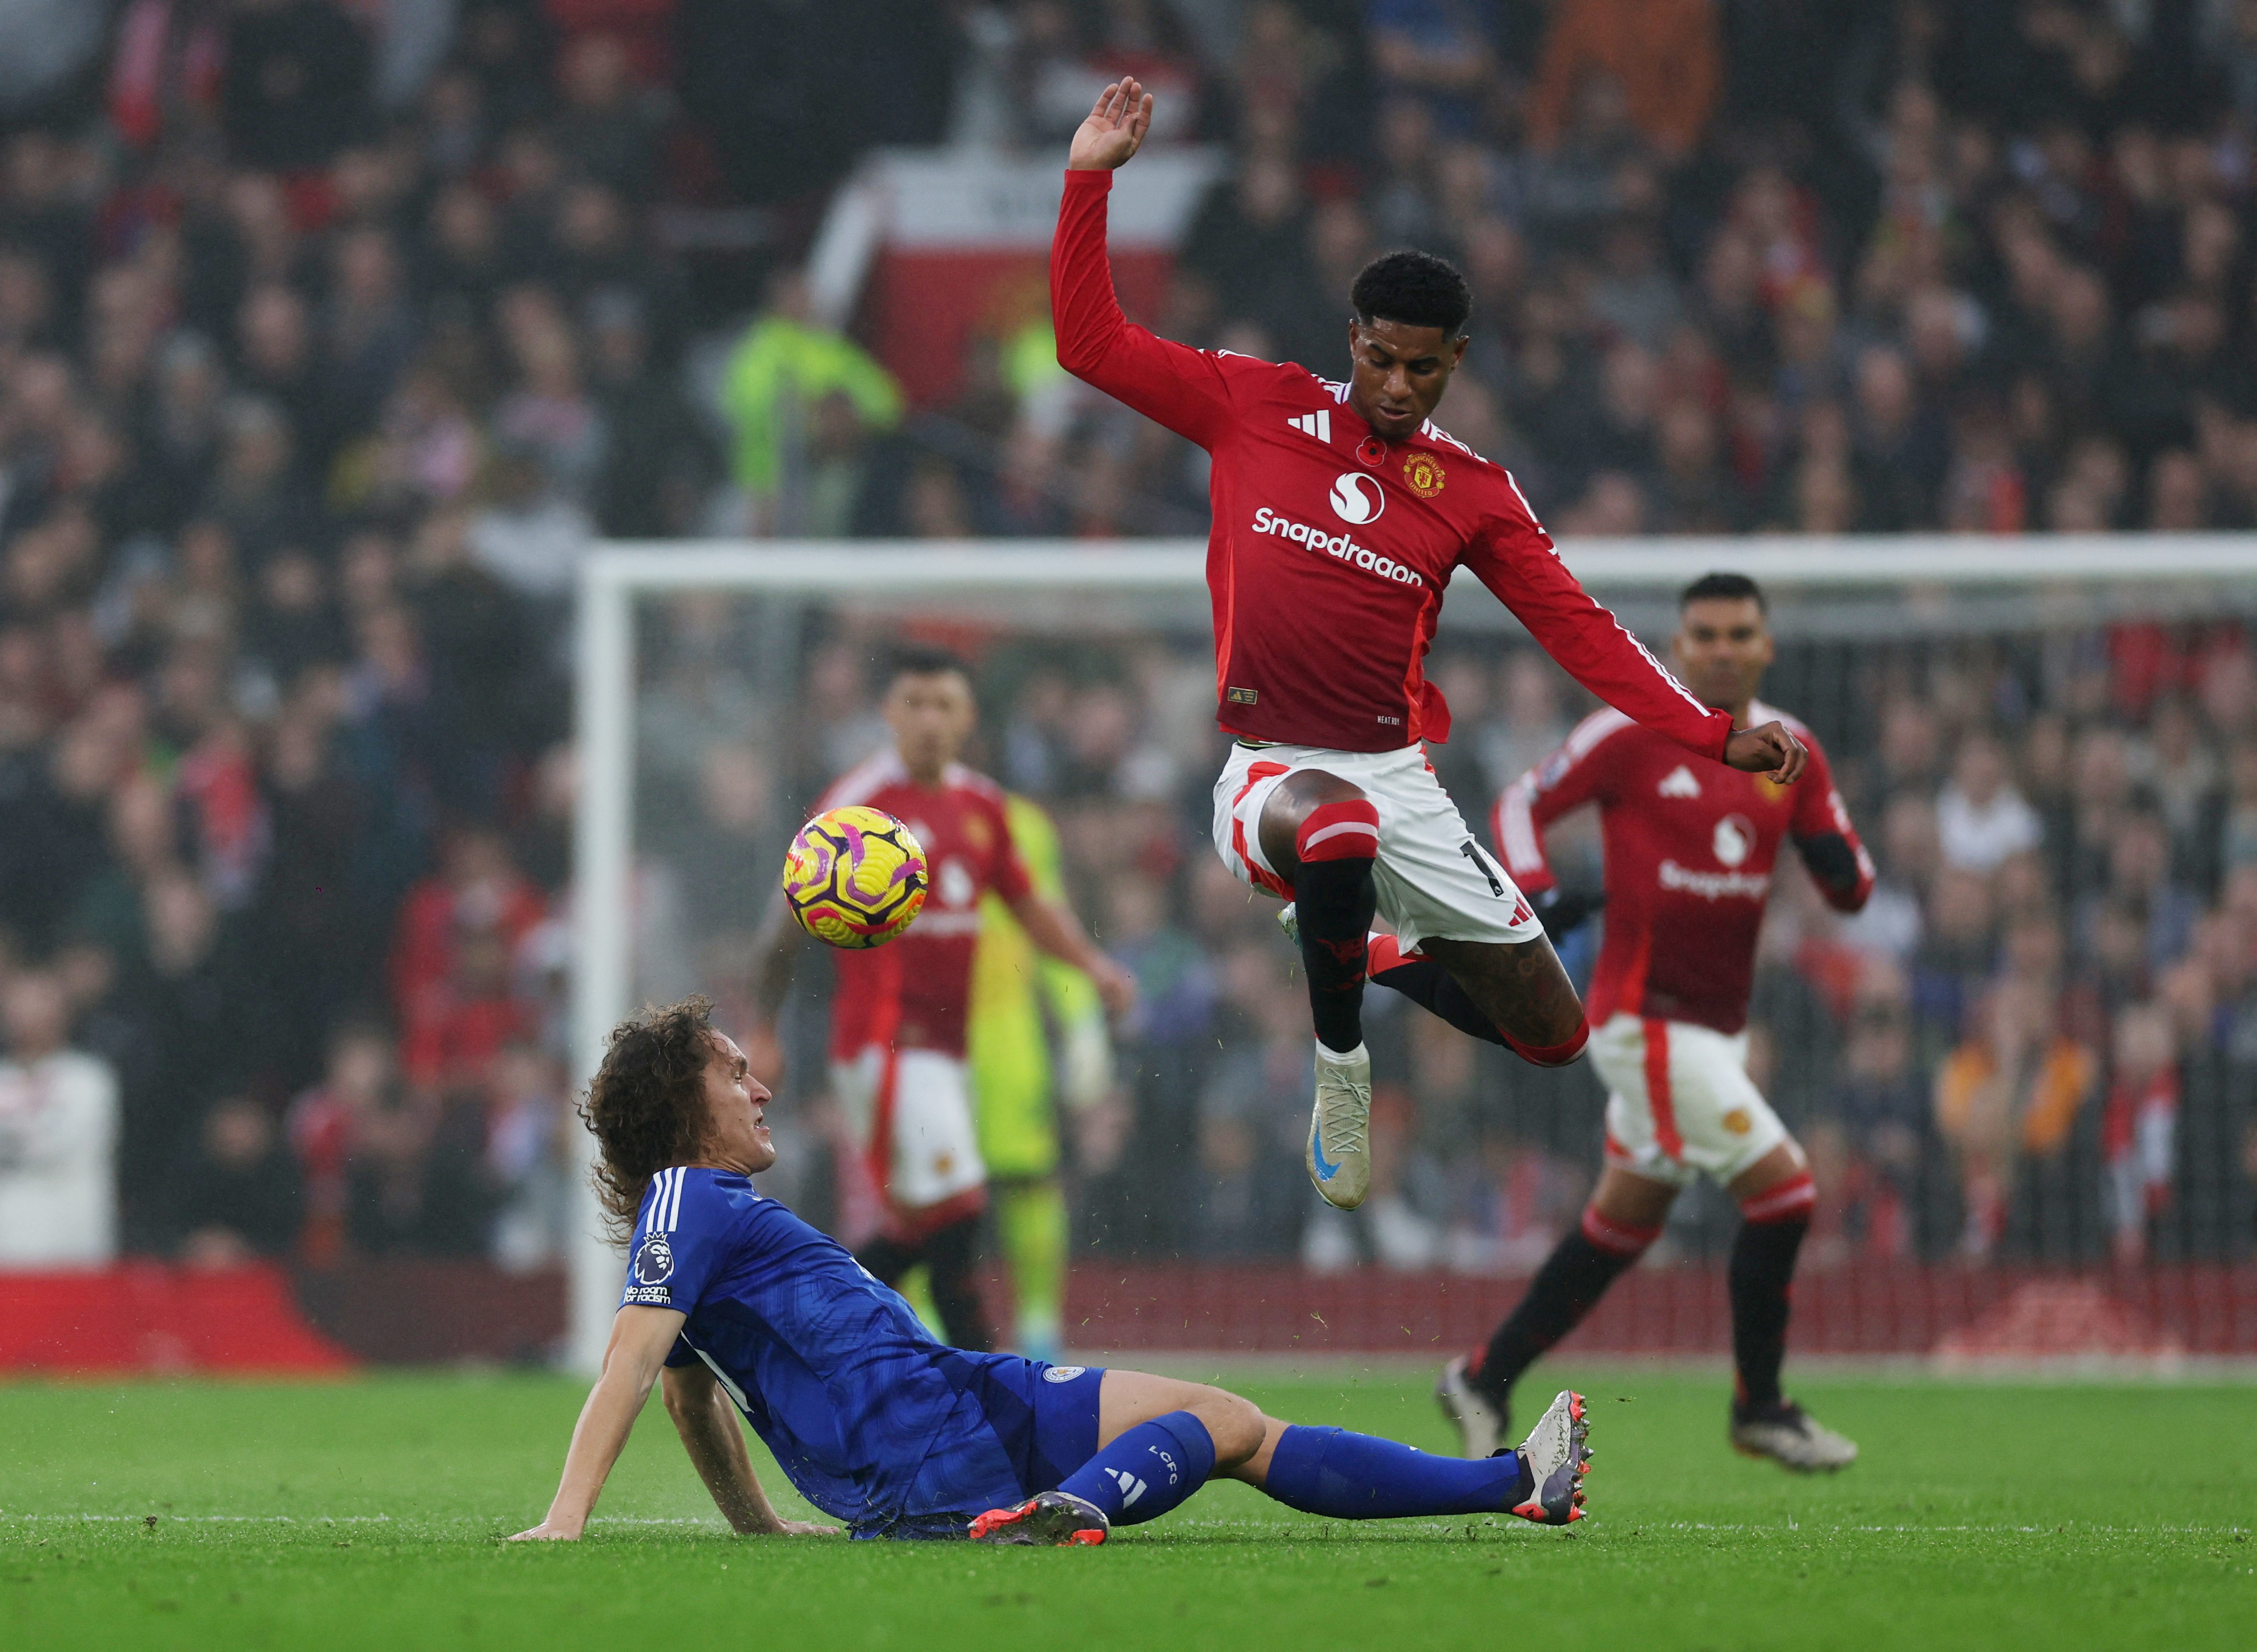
x,y
1433,880
1681,1104
936,1147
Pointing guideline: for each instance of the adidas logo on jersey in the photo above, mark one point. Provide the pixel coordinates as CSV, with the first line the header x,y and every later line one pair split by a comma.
x,y
1131,1487
1679,783
1317,424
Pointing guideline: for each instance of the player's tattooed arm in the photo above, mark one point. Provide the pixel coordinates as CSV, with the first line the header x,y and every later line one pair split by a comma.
x,y
640,1337
707,1423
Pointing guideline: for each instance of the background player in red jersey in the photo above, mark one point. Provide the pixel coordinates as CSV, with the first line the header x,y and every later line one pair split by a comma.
x,y
897,1019
1339,512
1689,851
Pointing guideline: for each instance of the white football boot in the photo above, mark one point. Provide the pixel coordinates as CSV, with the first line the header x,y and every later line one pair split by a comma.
x,y
1791,1438
1481,1423
1340,1127
1556,1451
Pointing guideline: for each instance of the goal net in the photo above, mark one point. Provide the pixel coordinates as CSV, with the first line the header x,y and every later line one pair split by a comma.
x,y
2025,1073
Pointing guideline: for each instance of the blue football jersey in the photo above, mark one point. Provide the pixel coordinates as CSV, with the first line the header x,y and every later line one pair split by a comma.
x,y
874,1421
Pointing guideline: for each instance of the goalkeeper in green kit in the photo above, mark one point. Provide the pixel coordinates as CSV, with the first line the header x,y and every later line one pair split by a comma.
x,y
1023,1005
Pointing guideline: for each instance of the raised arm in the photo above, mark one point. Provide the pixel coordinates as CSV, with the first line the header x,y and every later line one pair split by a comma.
x,y
707,1422
1175,385
640,1337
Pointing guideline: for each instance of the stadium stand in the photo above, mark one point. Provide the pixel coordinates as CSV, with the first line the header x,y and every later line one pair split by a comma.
x,y
331,335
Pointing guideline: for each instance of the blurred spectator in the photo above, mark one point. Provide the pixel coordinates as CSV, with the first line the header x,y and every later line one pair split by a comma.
x,y
1442,52
530,1159
59,1127
295,88
324,1125
2139,1127
780,372
234,1197
1250,1124
451,958
2011,1093
1980,818
1880,1157
1663,53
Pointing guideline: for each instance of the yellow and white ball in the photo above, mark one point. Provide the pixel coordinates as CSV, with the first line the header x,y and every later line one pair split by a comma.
x,y
855,876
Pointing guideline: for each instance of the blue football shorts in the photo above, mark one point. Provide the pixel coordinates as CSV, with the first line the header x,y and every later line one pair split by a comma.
x,y
1044,1416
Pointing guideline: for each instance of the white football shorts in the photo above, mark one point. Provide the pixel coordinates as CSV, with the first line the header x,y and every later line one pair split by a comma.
x,y
1434,879
931,1143
1680,1102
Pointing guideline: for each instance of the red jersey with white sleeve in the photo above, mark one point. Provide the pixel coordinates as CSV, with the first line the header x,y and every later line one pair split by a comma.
x,y
915,992
1689,851
1331,547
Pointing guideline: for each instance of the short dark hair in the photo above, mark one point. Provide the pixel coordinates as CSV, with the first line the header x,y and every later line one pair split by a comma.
x,y
921,659
1723,587
645,1106
1415,288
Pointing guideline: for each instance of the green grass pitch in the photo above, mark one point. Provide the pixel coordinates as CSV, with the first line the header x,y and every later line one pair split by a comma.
x,y
366,1514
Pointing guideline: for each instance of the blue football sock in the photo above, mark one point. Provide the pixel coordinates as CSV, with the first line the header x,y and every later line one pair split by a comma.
x,y
1148,1470
1358,1476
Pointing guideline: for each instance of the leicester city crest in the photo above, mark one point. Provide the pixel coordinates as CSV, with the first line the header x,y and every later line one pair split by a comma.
x,y
653,1262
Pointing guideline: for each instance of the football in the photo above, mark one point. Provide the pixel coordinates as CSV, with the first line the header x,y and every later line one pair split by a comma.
x,y
855,876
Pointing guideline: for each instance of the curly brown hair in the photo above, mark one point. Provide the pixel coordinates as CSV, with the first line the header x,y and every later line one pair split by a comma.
x,y
646,1104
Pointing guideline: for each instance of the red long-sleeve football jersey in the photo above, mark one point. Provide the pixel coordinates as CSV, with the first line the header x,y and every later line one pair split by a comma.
x,y
1331,547
1689,851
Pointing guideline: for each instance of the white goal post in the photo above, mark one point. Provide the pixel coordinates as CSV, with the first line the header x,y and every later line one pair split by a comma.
x,y
1848,586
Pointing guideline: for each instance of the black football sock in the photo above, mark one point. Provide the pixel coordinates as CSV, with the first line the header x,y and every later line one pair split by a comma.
x,y
950,1255
1762,1270
1568,1285
1432,987
1334,900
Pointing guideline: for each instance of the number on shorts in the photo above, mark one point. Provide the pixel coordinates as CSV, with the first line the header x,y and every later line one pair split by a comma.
x,y
1472,852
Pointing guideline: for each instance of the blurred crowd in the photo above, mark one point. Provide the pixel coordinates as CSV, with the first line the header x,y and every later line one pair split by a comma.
x,y
333,332
1737,264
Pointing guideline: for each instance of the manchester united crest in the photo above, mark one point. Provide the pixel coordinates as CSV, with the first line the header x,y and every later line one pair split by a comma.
x,y
1423,475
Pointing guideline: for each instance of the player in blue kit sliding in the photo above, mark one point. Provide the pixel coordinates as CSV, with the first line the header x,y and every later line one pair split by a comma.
x,y
740,1304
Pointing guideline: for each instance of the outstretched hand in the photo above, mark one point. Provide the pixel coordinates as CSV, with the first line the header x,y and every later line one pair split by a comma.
x,y
1771,749
1114,130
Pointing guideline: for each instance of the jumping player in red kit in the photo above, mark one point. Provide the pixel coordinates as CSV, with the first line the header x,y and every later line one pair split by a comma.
x,y
897,1019
1340,512
1689,851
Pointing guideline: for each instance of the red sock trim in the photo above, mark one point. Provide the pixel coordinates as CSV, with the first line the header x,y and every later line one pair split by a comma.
x,y
1550,1054
1789,1201
1614,1239
1339,832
